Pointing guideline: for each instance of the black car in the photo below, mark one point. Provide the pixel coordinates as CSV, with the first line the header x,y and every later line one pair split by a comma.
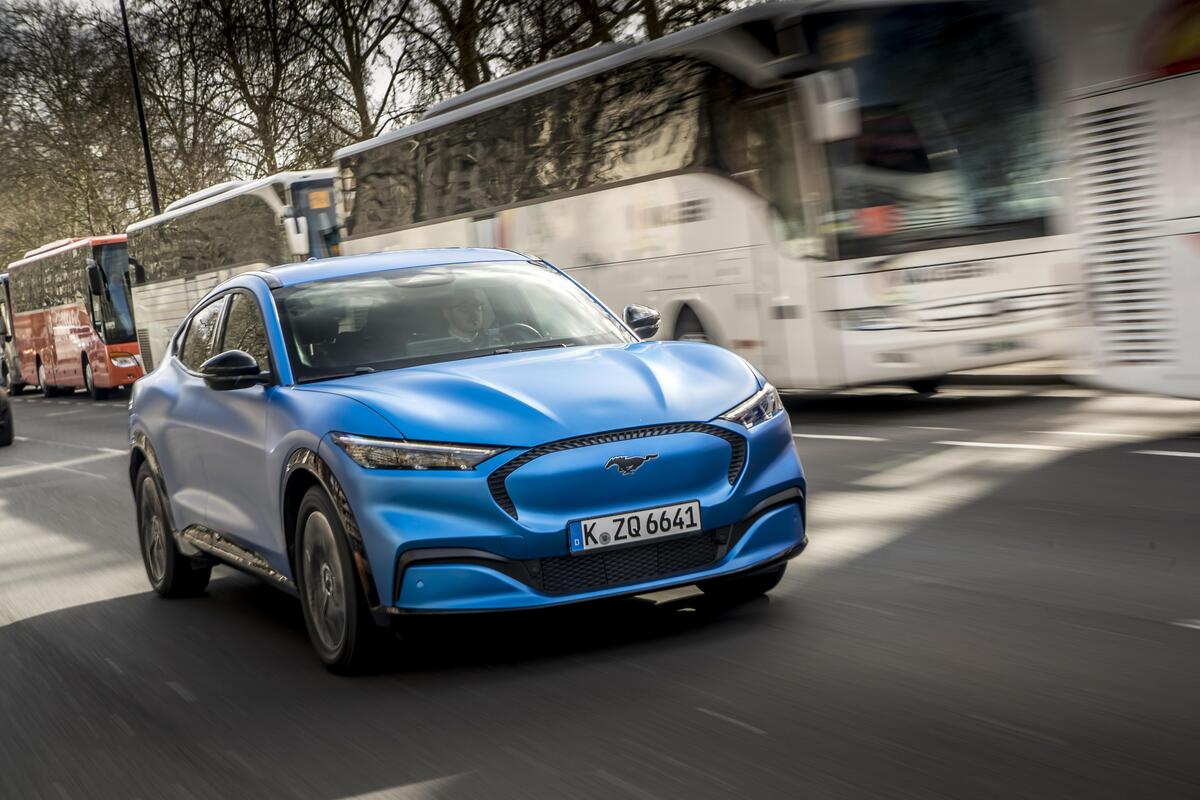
x,y
6,422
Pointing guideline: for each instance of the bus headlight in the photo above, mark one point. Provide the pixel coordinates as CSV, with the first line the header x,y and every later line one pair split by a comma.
x,y
375,453
758,407
873,318
124,360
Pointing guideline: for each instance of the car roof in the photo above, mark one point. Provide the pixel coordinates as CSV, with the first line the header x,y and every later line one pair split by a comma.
x,y
319,269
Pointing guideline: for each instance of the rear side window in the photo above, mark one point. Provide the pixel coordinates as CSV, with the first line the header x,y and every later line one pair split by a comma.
x,y
201,333
244,330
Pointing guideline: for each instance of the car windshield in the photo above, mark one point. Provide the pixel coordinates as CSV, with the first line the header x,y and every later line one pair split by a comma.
x,y
405,317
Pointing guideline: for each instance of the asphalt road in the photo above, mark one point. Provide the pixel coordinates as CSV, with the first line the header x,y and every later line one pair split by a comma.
x,y
1020,619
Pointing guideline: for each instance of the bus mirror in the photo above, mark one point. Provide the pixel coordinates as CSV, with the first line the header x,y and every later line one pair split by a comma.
x,y
831,106
297,235
95,278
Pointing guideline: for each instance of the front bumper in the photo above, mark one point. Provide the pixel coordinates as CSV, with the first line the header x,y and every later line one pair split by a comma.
x,y
477,581
446,541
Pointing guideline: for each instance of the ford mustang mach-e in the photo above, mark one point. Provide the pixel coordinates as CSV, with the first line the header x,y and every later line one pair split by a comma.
x,y
453,431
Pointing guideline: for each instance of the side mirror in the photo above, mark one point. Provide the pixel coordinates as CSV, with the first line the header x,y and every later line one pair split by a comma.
x,y
233,369
643,320
95,278
831,104
296,227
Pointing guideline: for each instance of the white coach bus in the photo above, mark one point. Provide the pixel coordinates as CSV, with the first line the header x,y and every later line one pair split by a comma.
x,y
861,194
1133,72
204,238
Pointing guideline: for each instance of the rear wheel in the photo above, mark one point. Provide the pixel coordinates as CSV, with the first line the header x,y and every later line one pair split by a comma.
x,y
926,385
171,573
744,587
47,389
6,425
89,383
339,622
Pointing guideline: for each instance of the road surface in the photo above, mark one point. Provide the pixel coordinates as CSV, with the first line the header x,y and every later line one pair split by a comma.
x,y
1001,599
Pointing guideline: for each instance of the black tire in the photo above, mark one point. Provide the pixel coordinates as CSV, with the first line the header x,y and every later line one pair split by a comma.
x,y
6,426
688,327
16,389
89,383
926,385
171,573
744,587
4,380
339,622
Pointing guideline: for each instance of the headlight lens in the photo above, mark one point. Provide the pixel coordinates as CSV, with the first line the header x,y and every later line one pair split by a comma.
x,y
402,454
874,318
759,407
124,360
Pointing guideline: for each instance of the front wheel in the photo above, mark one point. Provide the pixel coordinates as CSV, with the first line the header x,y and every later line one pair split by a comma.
x,y
744,587
89,383
171,573
339,622
926,385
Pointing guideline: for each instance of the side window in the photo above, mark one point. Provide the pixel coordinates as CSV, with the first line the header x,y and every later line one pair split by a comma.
x,y
244,330
201,332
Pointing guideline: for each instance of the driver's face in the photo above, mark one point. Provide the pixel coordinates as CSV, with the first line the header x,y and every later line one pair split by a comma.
x,y
467,315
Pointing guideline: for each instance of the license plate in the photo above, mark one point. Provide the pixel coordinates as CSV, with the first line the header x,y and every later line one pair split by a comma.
x,y
631,527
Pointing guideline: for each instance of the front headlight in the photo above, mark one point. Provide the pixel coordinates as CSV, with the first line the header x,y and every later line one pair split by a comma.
x,y
758,407
402,454
875,318
124,360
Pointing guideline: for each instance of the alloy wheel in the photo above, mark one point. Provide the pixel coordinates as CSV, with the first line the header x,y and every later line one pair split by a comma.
x,y
324,583
154,535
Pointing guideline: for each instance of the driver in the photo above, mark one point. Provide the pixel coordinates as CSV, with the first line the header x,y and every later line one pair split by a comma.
x,y
464,313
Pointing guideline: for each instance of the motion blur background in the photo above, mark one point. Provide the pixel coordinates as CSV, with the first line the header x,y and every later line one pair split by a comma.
x,y
1000,597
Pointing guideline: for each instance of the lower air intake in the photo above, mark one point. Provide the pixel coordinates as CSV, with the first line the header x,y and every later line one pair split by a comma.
x,y
570,574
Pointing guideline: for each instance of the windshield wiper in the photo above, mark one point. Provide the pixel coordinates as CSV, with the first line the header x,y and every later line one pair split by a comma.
x,y
333,376
545,346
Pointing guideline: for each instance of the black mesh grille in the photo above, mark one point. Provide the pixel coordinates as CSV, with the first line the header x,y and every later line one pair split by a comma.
x,y
737,457
628,565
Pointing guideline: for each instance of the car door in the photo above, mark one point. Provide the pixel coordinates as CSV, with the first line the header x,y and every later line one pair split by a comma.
x,y
177,442
233,446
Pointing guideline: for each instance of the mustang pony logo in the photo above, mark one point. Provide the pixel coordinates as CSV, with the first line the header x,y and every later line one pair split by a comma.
x,y
627,465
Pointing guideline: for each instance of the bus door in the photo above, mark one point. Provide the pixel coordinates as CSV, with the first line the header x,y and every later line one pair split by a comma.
x,y
314,201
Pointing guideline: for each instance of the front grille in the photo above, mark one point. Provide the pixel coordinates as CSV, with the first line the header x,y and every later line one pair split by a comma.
x,y
642,562
496,481
1119,193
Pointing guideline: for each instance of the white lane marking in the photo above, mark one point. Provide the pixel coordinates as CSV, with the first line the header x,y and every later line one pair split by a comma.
x,y
1176,453
64,469
631,788
1094,434
1018,729
23,470
68,444
732,721
1003,445
1194,624
931,428
837,437
865,608
65,413
182,691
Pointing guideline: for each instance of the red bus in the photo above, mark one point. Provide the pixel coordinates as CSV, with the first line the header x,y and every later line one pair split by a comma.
x,y
73,316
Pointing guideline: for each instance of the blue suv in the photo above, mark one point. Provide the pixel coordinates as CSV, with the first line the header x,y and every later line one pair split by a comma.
x,y
451,431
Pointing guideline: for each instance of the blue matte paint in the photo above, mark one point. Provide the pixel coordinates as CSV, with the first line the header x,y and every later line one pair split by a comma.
x,y
223,454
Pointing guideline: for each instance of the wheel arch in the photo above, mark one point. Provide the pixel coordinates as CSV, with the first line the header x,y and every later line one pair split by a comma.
x,y
304,470
705,315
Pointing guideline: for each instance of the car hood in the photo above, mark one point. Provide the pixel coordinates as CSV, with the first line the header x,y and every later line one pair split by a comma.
x,y
524,399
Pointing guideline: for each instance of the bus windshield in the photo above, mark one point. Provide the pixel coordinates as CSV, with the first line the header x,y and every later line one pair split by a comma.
x,y
116,316
953,146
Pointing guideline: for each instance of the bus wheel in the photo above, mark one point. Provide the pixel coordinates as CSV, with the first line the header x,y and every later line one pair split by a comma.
x,y
89,383
926,385
688,327
47,389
